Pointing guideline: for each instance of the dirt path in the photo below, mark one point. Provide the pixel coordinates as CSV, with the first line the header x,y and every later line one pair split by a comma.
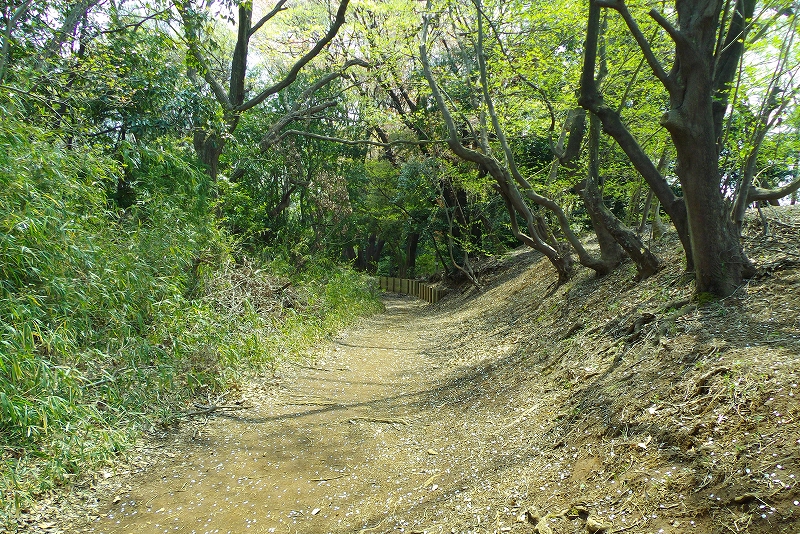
x,y
335,448
498,409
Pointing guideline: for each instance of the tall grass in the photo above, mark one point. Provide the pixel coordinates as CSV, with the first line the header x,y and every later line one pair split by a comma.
x,y
112,320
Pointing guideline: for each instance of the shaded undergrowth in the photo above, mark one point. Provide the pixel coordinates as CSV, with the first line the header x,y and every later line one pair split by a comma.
x,y
113,320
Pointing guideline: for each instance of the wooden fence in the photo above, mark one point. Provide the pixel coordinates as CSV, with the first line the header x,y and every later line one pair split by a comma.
x,y
412,287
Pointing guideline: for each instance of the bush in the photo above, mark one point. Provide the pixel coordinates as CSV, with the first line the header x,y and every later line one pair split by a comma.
x,y
112,320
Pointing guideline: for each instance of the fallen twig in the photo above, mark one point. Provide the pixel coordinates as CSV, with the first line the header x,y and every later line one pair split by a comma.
x,y
205,410
311,403
353,420
329,479
312,368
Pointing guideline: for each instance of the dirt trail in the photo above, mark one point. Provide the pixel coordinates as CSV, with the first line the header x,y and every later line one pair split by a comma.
x,y
333,449
521,407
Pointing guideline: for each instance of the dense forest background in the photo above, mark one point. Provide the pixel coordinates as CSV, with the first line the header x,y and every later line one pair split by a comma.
x,y
193,190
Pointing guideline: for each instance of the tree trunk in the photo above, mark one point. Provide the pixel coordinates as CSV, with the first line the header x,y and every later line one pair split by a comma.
x,y
607,224
647,264
361,260
373,253
409,265
659,229
349,254
208,147
504,182
611,254
591,99
648,203
719,261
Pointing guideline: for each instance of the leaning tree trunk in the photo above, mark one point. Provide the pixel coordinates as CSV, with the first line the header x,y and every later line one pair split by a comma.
x,y
504,182
647,264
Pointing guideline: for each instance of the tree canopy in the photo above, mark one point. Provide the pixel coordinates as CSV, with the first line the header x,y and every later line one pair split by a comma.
x,y
322,126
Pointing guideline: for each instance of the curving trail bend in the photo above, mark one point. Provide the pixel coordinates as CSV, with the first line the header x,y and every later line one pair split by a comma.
x,y
342,446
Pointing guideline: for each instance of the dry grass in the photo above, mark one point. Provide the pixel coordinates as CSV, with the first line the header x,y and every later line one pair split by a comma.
x,y
683,421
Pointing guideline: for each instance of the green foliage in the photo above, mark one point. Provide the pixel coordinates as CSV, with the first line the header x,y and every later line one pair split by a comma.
x,y
113,319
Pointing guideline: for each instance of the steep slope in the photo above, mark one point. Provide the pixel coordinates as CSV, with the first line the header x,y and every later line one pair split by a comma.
x,y
629,400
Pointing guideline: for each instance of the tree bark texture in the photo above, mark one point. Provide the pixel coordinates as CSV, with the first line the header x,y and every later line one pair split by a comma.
x,y
709,236
719,260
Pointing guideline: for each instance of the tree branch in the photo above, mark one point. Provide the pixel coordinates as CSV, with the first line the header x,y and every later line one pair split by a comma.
x,y
271,137
135,25
591,100
526,187
522,77
505,184
275,10
325,80
759,193
298,66
216,87
71,21
659,72
356,142
667,25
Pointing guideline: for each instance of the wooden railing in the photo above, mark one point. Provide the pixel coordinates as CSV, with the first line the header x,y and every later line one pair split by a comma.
x,y
412,287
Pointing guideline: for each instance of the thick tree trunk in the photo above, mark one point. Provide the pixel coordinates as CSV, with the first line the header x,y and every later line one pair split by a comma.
x,y
349,254
718,257
611,254
208,147
719,261
360,263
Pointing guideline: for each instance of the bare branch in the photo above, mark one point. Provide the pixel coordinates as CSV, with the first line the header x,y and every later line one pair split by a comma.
x,y
135,25
505,184
659,72
296,113
668,27
759,193
357,142
275,10
325,80
298,66
272,137
591,100
524,185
